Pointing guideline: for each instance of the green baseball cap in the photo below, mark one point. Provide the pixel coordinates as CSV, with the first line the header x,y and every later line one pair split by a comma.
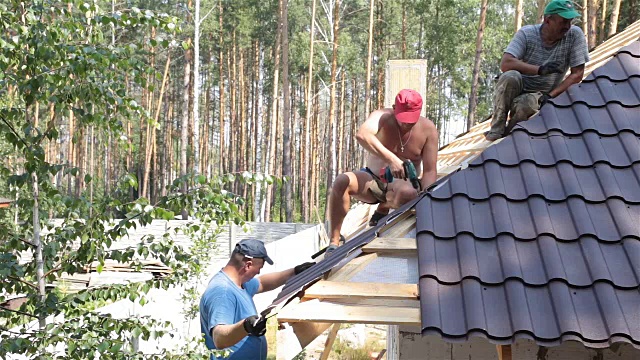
x,y
564,8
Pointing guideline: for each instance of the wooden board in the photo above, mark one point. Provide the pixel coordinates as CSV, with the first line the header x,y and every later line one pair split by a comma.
x,y
328,344
349,270
395,246
338,289
324,311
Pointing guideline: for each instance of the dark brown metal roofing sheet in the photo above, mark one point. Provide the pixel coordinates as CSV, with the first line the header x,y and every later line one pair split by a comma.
x,y
554,183
598,315
540,236
578,263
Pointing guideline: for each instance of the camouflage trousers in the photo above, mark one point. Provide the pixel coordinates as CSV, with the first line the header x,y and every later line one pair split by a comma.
x,y
509,99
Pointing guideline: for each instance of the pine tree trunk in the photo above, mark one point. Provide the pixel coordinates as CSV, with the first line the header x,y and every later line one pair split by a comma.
x,y
341,121
603,21
272,126
307,121
519,14
367,94
315,159
541,6
196,89
592,12
259,133
615,13
476,67
184,127
404,29
233,115
333,166
585,19
221,59
286,113
354,150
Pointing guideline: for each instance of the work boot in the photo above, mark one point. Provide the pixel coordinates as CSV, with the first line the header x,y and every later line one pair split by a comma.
x,y
376,217
330,249
489,136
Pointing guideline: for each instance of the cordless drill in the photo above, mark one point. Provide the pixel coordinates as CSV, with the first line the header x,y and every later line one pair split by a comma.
x,y
409,172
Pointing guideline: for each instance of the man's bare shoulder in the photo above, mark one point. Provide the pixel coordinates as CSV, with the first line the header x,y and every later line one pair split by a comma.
x,y
427,123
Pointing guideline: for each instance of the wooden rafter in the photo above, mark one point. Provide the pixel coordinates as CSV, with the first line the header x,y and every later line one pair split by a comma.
x,y
395,246
504,352
326,311
351,290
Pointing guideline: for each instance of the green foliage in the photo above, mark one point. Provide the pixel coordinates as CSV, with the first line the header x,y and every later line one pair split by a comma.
x,y
54,54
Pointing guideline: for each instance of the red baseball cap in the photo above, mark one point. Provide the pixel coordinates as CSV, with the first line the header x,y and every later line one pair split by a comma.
x,y
408,106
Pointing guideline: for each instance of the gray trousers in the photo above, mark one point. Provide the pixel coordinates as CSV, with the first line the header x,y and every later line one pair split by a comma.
x,y
510,99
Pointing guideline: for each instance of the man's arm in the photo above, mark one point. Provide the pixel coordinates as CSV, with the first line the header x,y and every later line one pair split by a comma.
x,y
274,280
225,336
430,156
510,62
575,77
366,137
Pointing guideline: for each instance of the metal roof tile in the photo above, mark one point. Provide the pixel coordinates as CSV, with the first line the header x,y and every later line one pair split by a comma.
x,y
593,184
607,120
539,237
609,220
596,315
601,91
585,149
579,263
619,68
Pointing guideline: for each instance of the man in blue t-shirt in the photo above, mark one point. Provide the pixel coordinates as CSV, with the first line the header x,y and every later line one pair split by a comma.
x,y
228,317
534,65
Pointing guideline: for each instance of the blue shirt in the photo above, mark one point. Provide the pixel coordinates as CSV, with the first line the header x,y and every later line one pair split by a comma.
x,y
224,303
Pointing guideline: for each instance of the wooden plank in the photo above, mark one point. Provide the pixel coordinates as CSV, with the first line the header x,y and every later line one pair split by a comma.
x,y
345,289
504,352
395,221
353,267
391,245
324,311
328,344
401,228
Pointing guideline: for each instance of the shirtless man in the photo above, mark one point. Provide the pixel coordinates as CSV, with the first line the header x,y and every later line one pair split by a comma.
x,y
390,136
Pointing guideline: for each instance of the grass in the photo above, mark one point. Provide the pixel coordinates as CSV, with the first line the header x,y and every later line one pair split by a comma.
x,y
345,350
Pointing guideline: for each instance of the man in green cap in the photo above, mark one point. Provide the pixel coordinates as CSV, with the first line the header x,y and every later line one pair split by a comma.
x,y
534,65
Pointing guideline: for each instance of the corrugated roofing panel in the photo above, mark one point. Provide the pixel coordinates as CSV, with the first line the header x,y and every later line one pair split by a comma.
x,y
589,148
610,220
592,184
579,263
610,119
598,315
540,236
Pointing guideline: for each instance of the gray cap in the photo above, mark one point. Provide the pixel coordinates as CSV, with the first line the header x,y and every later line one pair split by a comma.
x,y
252,248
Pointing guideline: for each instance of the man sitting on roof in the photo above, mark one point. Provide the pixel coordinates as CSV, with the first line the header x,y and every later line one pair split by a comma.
x,y
534,65
390,136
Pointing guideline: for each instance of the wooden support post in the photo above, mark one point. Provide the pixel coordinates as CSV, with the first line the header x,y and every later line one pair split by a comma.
x,y
504,352
330,340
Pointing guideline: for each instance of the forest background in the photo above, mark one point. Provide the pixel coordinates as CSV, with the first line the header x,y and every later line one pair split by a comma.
x,y
278,88
114,114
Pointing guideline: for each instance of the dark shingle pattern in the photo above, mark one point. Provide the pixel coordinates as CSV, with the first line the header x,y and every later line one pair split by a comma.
x,y
540,236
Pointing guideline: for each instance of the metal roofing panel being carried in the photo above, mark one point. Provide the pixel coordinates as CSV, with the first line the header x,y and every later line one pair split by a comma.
x,y
540,236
